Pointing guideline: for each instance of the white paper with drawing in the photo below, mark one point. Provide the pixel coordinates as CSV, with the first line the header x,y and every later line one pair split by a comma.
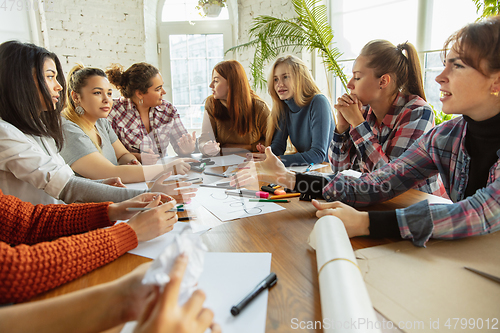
x,y
226,207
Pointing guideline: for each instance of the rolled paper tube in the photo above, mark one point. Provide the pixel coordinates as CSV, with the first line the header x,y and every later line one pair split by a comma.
x,y
345,303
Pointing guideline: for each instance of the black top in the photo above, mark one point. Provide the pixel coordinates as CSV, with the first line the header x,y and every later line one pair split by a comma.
x,y
482,142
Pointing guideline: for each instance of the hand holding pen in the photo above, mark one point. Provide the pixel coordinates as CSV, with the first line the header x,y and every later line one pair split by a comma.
x,y
154,222
148,156
150,224
177,190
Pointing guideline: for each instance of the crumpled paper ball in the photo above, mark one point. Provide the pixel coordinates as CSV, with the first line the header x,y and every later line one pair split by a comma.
x,y
190,244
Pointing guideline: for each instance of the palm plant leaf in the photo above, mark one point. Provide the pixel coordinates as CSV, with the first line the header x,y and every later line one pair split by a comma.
x,y
488,7
308,30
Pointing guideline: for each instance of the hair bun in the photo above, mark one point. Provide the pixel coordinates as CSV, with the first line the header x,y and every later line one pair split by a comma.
x,y
116,76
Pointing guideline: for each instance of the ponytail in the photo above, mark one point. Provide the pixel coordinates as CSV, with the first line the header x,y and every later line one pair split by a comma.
x,y
385,58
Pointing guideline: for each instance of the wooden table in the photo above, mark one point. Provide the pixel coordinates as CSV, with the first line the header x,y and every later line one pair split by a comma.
x,y
284,234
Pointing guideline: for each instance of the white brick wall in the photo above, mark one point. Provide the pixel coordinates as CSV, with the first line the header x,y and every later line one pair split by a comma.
x,y
248,10
97,32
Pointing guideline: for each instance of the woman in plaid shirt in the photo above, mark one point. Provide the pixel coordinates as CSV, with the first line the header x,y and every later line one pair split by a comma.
x,y
464,151
384,113
142,119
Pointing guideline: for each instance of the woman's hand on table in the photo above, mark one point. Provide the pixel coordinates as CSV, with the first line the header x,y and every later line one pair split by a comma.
x,y
113,181
179,166
356,223
148,157
271,170
211,148
257,157
118,211
183,195
187,143
162,313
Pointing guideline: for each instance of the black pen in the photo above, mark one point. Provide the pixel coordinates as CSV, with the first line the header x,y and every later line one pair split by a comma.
x,y
268,282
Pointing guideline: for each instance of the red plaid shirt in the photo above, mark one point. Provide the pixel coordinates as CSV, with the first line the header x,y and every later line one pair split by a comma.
x,y
164,122
369,146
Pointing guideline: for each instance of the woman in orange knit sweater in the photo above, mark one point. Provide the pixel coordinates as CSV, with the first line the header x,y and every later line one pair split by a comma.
x,y
42,247
107,305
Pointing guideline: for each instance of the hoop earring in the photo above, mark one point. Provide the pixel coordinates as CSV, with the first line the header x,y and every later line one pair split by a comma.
x,y
79,110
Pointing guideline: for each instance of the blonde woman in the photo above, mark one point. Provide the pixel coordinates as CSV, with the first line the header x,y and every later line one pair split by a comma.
x,y
91,147
299,112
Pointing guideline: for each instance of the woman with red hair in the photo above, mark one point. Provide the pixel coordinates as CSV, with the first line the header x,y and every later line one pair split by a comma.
x,y
235,117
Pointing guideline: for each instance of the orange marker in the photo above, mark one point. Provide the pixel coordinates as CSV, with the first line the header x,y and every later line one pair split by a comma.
x,y
288,195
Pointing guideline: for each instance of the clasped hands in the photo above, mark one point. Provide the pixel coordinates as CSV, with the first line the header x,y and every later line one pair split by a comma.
x,y
350,112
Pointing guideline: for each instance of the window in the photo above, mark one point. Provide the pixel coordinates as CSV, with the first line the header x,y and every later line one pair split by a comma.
x,y
192,58
190,46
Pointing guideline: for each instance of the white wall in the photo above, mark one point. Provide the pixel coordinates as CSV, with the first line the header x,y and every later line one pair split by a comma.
x,y
248,10
97,33
15,25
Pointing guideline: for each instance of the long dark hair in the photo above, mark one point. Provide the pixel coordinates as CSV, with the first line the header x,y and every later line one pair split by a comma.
x,y
21,71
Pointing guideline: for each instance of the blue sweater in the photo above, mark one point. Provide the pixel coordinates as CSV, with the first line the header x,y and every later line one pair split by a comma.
x,y
310,129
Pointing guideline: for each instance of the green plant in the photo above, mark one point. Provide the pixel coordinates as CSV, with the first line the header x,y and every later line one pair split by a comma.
x,y
440,117
488,8
202,3
308,30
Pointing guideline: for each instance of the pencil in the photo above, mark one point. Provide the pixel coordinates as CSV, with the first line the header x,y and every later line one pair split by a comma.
x,y
184,219
269,200
288,195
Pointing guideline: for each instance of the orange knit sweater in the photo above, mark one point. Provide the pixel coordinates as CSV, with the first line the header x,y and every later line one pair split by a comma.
x,y
33,258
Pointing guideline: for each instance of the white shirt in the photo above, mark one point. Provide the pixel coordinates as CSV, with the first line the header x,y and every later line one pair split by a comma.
x,y
30,166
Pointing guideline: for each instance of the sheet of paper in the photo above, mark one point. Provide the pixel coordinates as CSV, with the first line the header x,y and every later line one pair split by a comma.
x,y
137,186
227,207
303,168
229,277
425,289
226,279
351,173
227,160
